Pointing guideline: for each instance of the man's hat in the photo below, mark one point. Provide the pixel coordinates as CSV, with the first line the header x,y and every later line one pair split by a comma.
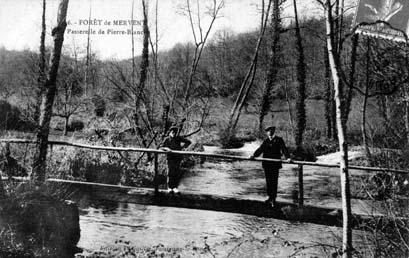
x,y
270,128
173,128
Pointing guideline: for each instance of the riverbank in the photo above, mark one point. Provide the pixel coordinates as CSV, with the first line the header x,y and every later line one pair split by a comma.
x,y
37,222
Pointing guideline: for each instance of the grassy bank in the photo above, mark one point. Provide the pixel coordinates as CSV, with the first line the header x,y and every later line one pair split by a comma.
x,y
37,222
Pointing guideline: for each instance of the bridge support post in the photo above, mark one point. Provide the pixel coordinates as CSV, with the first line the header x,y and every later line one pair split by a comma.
x,y
300,185
156,180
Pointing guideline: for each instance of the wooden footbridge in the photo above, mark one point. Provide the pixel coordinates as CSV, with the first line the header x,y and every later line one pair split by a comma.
x,y
155,196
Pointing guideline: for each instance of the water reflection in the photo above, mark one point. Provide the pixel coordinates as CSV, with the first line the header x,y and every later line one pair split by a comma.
x,y
140,226
144,225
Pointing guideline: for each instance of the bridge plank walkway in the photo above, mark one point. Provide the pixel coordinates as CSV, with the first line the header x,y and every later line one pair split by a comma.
x,y
147,196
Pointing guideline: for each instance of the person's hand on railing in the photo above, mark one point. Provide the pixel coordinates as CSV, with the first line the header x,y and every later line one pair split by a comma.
x,y
290,160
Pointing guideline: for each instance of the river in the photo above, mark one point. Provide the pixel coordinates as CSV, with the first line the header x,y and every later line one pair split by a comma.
x,y
118,227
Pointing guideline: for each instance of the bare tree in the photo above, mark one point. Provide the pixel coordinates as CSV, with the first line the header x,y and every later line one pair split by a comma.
x,y
181,104
406,101
42,65
121,79
200,36
179,90
88,55
145,56
342,98
47,98
249,78
365,102
125,85
273,63
144,65
68,101
329,101
334,62
301,77
346,82
385,72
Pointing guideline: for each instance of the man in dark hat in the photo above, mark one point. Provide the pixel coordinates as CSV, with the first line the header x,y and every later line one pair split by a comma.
x,y
272,148
174,142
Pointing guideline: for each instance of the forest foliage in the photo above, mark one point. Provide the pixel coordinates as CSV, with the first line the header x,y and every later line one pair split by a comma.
x,y
105,100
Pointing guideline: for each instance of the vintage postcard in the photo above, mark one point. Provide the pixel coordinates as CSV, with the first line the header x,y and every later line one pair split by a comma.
x,y
204,128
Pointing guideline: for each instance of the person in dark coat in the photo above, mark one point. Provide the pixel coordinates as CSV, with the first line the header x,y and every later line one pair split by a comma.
x,y
174,142
272,148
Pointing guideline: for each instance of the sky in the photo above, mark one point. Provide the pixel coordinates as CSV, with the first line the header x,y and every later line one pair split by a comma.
x,y
20,23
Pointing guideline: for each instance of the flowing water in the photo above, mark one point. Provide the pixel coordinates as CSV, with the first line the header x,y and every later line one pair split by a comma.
x,y
111,225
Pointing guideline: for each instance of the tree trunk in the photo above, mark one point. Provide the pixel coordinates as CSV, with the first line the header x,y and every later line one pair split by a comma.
x,y
249,78
406,114
328,96
301,77
290,113
272,64
142,73
133,59
348,97
47,98
6,157
330,102
2,192
145,56
42,76
343,145
340,22
66,123
383,109
333,116
407,121
165,120
364,104
363,127
88,57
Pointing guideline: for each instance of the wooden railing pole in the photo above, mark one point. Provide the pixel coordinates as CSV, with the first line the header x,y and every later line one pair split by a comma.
x,y
202,154
156,179
300,185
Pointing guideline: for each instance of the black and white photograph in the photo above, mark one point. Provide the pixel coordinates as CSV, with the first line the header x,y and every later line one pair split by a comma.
x,y
204,128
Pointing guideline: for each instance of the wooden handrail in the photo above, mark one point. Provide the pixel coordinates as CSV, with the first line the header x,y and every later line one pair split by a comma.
x,y
202,154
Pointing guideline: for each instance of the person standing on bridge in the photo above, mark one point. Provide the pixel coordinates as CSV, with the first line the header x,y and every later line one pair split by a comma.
x,y
272,148
174,142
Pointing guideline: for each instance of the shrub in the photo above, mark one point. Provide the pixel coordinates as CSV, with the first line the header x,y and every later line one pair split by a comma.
x,y
384,185
76,125
307,153
191,161
100,166
99,105
94,168
11,118
312,134
137,177
228,139
354,137
387,237
323,147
